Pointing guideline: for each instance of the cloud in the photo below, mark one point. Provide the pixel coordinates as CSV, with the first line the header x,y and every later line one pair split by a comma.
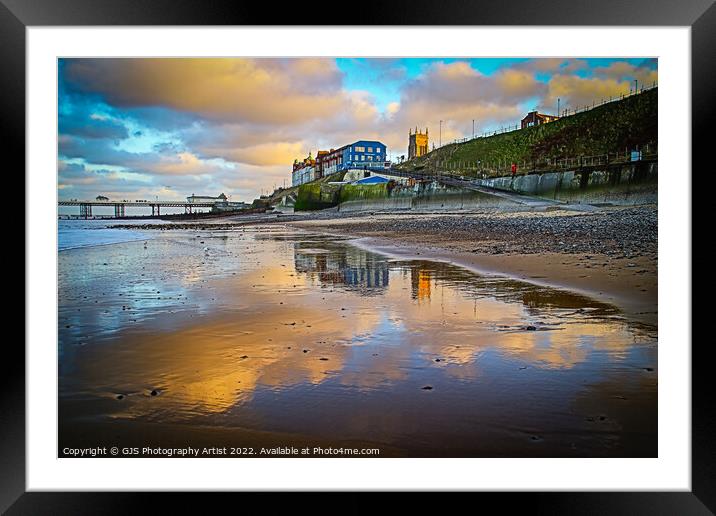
x,y
259,91
625,71
457,94
552,64
607,82
92,127
183,163
269,153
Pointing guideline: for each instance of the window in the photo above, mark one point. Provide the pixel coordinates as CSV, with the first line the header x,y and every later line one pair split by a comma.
x,y
360,149
362,157
370,149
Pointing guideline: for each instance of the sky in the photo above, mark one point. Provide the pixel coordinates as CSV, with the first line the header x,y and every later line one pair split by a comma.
x,y
167,128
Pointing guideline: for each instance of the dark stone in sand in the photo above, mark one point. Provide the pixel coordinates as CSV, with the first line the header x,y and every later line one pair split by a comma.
x,y
648,369
154,392
530,328
306,350
322,358
535,438
245,356
602,418
428,388
523,367
120,396
437,360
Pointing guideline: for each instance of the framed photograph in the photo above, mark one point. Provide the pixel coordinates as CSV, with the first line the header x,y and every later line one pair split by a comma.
x,y
429,250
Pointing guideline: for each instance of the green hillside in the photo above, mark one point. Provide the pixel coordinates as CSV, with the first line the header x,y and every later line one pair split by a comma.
x,y
610,128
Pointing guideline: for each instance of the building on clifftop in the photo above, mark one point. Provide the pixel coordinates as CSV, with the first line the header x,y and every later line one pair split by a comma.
x,y
535,118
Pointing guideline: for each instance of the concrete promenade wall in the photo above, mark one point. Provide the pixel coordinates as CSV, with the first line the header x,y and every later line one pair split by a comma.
x,y
630,184
425,197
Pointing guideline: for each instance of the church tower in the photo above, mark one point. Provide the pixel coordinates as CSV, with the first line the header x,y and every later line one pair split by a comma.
x,y
417,143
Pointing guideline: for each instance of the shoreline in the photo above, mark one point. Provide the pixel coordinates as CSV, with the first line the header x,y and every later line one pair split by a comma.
x,y
522,267
628,282
556,249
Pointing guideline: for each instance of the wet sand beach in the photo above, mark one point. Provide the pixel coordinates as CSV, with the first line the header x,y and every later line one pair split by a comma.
x,y
610,255
272,335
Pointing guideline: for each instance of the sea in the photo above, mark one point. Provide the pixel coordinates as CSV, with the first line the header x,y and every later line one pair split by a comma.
x,y
76,233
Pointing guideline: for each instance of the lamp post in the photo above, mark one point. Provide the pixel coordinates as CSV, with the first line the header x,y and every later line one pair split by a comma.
x,y
441,134
558,99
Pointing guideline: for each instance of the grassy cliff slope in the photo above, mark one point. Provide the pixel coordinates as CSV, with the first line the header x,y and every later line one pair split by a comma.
x,y
610,128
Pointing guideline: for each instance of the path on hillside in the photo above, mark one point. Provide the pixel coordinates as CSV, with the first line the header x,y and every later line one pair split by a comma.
x,y
517,198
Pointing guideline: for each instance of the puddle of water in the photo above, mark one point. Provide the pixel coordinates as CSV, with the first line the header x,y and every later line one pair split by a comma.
x,y
271,330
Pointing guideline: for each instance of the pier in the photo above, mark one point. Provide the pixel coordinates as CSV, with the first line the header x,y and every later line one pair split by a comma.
x,y
120,206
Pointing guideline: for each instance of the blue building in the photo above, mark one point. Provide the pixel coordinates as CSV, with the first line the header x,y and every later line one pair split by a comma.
x,y
364,154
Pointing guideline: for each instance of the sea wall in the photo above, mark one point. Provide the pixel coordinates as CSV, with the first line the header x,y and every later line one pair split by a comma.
x,y
420,196
628,184
316,196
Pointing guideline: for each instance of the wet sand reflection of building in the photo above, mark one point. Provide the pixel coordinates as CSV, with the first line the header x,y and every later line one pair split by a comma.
x,y
421,283
343,266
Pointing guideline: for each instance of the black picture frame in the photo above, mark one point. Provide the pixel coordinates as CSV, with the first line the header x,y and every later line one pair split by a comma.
x,y
17,15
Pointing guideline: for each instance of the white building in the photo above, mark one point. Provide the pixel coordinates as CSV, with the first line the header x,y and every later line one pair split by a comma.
x,y
303,175
206,199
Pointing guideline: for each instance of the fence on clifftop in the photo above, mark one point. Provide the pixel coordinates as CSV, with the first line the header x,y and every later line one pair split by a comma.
x,y
483,169
563,114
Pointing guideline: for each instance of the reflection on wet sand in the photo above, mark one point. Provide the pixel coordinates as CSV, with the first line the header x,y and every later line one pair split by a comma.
x,y
352,268
309,335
